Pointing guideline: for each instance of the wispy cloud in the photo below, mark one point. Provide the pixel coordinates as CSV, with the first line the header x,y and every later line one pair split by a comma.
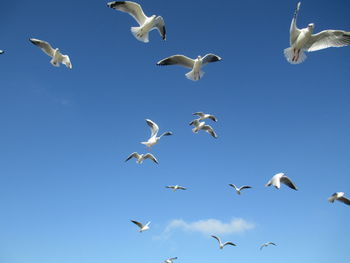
x,y
211,226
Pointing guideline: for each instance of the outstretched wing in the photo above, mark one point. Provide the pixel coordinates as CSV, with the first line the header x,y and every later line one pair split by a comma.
x,y
229,243
177,60
328,38
154,127
288,182
134,154
132,8
137,223
45,46
344,200
210,130
200,114
217,238
294,31
245,187
150,156
234,186
208,58
160,25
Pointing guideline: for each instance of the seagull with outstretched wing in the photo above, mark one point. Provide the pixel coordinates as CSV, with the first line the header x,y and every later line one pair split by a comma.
x,y
141,157
279,178
221,245
239,189
203,116
194,64
146,23
340,197
154,132
202,126
170,260
302,40
176,187
267,244
141,226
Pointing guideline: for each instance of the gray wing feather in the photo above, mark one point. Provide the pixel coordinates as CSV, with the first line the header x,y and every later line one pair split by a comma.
x,y
150,156
134,154
208,58
160,25
45,46
344,200
288,182
328,38
177,60
210,130
132,8
294,31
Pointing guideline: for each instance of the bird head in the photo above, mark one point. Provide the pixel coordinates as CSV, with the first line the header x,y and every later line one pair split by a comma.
x,y
311,27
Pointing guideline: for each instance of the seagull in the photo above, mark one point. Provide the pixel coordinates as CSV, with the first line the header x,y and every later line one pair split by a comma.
x,y
194,64
266,244
56,55
2,52
238,190
141,157
201,126
146,23
170,260
141,226
176,187
203,116
340,197
304,40
279,178
154,131
223,244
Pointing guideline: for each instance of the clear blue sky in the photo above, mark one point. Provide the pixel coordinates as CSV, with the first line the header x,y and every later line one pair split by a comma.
x,y
66,194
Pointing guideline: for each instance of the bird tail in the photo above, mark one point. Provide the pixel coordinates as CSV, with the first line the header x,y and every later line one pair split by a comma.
x,y
192,75
294,56
141,36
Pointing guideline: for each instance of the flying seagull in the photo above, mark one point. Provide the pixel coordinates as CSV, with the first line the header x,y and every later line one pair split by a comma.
x,y
304,40
141,226
141,157
146,23
267,244
170,260
203,116
2,52
238,190
176,187
154,131
55,54
223,244
201,126
340,197
279,178
194,64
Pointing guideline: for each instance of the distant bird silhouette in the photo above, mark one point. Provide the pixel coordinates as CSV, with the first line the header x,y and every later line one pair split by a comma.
x,y
141,226
221,245
141,157
238,190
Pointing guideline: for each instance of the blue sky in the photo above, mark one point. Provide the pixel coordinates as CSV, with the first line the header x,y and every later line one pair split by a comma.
x,y
66,194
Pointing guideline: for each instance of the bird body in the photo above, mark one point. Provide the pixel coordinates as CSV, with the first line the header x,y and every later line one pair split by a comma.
x,y
141,157
55,54
154,132
340,197
176,187
222,245
195,65
146,24
304,40
279,178
141,226
239,189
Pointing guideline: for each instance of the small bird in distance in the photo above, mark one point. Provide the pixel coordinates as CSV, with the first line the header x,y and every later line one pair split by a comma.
x,y
340,197
141,157
176,187
267,244
279,178
239,189
141,226
221,245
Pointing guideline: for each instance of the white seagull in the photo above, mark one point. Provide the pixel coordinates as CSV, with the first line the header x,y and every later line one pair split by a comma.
x,y
146,23
141,226
279,178
267,244
154,131
2,52
141,157
340,197
170,260
238,190
203,116
201,126
55,54
303,40
194,64
223,244
176,187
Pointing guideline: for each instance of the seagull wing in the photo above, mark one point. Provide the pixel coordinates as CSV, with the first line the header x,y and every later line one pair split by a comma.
x,y
137,223
182,188
150,156
229,243
177,60
132,8
160,25
344,200
134,154
200,114
154,127
210,130
245,187
288,182
271,243
235,187
213,118
294,30
208,58
45,46
328,38
172,258
170,186
217,238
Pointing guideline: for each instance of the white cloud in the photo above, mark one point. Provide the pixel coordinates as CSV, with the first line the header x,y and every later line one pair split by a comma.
x,y
211,226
